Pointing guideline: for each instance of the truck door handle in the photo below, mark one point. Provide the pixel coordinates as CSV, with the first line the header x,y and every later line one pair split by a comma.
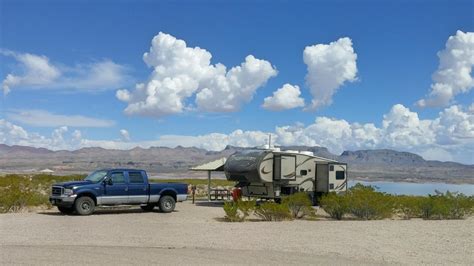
x,y
126,189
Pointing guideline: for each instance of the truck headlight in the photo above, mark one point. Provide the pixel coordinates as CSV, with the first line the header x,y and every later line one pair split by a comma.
x,y
68,192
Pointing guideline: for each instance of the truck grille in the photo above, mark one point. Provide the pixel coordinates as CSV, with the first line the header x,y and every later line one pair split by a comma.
x,y
57,191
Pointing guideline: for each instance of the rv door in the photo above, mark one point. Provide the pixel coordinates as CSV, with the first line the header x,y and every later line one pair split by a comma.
x,y
321,175
337,177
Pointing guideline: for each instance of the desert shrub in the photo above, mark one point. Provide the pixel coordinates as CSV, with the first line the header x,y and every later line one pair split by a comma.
x,y
335,205
21,191
271,211
447,206
367,204
238,211
232,213
427,208
298,204
18,196
246,207
409,206
458,205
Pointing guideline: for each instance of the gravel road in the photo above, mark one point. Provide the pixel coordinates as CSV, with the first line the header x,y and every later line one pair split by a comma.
x,y
196,235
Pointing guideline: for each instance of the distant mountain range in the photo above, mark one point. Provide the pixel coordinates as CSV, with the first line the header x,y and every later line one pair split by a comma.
x,y
372,165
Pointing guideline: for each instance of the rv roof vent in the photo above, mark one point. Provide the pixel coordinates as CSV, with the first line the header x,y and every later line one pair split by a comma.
x,y
292,151
307,153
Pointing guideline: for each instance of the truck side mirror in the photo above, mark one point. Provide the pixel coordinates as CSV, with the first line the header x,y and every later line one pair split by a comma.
x,y
109,181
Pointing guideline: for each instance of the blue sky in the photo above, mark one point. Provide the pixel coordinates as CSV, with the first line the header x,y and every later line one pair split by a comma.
x,y
396,43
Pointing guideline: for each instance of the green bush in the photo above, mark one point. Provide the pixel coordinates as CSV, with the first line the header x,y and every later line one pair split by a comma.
x,y
460,205
367,204
246,207
20,195
298,204
232,213
335,205
271,211
447,206
409,206
238,211
18,192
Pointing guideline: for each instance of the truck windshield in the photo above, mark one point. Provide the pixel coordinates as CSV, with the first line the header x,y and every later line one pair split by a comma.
x,y
96,176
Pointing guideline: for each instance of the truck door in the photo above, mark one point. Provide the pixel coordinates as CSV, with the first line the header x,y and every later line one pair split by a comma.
x,y
137,188
337,177
115,192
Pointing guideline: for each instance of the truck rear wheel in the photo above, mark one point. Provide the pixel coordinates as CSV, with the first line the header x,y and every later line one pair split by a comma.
x,y
148,208
66,210
167,204
84,205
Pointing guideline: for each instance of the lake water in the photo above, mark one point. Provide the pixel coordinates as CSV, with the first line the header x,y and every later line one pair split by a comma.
x,y
415,188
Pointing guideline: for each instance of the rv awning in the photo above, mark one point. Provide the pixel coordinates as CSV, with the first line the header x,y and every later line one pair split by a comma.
x,y
217,165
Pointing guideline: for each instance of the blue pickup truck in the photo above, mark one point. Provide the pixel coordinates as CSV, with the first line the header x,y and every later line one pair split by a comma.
x,y
111,187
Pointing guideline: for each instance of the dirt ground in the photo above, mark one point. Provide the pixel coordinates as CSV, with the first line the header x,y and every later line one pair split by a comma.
x,y
196,234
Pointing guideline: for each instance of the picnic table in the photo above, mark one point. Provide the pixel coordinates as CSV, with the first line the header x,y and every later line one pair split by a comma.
x,y
219,194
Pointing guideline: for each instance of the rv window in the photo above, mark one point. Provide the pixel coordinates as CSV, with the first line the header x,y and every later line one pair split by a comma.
x,y
303,172
331,186
340,175
331,168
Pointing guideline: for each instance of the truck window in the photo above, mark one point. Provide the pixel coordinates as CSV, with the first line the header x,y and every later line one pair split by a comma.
x,y
118,178
135,177
340,175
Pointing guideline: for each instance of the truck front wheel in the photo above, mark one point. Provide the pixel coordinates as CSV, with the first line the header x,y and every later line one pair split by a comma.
x,y
167,204
84,205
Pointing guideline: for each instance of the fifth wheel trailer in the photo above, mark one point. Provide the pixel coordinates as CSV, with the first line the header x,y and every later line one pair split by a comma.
x,y
271,173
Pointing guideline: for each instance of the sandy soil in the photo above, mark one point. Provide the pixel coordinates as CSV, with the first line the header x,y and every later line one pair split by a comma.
x,y
196,235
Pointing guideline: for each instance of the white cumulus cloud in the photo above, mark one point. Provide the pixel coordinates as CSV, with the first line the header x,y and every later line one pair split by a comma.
x,y
181,72
454,74
329,67
38,72
124,135
451,133
286,97
450,136
60,139
43,118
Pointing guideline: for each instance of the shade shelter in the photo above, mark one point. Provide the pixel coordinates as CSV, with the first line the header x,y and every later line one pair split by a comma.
x,y
214,166
47,171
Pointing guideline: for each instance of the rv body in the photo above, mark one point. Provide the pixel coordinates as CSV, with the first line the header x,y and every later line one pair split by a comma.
x,y
272,173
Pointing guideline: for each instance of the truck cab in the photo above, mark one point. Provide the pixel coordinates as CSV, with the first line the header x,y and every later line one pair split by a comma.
x,y
111,187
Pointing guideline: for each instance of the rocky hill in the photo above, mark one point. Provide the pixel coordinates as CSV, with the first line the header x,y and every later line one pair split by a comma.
x,y
363,164
404,166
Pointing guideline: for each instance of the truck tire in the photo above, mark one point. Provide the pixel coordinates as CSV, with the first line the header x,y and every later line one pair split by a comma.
x,y
84,205
148,208
166,204
66,210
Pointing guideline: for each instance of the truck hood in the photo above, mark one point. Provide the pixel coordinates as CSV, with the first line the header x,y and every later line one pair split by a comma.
x,y
73,184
